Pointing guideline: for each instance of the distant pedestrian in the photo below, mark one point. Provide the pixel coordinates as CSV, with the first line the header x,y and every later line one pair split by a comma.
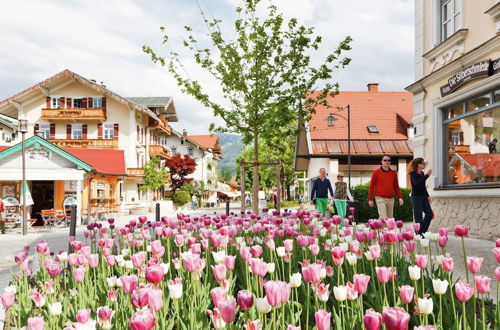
x,y
2,217
319,192
419,196
340,195
492,146
383,184
194,202
262,199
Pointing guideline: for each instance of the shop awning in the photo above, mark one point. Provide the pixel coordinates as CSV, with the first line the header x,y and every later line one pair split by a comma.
x,y
108,162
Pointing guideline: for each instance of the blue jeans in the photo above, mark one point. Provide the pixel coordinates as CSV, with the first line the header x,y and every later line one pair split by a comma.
x,y
422,207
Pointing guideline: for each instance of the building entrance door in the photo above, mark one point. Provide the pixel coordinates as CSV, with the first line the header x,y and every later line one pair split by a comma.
x,y
42,193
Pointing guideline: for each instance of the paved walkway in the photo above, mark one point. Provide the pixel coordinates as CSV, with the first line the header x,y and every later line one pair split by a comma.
x,y
13,243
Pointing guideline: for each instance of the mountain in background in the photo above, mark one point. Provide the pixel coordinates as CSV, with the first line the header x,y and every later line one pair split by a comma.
x,y
231,149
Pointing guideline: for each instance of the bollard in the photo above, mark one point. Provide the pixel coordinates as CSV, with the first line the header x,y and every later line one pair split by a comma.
x,y
157,212
227,207
72,226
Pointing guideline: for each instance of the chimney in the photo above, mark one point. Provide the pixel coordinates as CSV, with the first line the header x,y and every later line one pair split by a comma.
x,y
373,87
184,132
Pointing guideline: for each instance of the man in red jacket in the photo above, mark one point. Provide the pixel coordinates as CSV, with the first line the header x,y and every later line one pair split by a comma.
x,y
383,184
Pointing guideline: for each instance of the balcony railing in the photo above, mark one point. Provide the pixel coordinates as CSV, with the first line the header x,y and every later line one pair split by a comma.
x,y
163,127
461,149
157,150
135,172
80,114
86,143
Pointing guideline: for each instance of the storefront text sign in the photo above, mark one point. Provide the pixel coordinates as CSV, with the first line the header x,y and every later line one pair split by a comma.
x,y
495,66
38,154
477,70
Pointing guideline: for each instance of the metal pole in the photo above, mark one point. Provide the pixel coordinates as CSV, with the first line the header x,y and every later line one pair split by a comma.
x,y
227,207
23,189
157,212
349,143
72,226
242,187
278,186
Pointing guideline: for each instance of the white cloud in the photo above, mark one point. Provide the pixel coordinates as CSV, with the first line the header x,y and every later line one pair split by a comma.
x,y
102,40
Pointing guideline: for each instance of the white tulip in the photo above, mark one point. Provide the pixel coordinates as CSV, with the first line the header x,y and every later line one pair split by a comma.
x,y
55,308
10,289
219,257
271,267
175,290
125,252
295,280
63,256
128,264
424,242
262,305
340,292
322,273
425,305
439,258
344,246
348,239
414,273
281,251
111,281
323,232
427,235
165,267
368,256
360,227
119,258
89,325
418,238
148,248
351,258
440,286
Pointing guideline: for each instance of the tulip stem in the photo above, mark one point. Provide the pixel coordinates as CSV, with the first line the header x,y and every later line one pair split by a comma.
x,y
483,315
393,279
474,306
465,261
307,305
440,311
451,296
463,315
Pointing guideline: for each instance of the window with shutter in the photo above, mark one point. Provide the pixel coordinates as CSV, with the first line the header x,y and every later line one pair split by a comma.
x,y
84,131
76,131
84,103
69,104
62,102
103,100
99,131
115,130
37,127
108,130
47,102
68,131
52,131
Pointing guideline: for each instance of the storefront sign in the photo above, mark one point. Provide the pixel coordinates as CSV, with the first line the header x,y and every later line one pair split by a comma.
x,y
475,71
495,66
38,154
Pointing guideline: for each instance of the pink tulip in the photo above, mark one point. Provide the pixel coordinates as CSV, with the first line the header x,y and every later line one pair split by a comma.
x,y
79,274
374,251
110,260
138,259
337,252
406,293
228,310
192,262
383,274
361,282
53,268
245,253
252,325
288,244
497,273
314,248
416,227
218,294
154,274
425,327
179,240
352,294
322,319
229,262
83,315
277,292
443,231
447,263
395,318
39,298
36,323
496,253
258,267
497,242
129,283
461,231
216,317
93,260
139,298
42,247
391,237
311,273
157,248
463,291
219,272
322,291
292,327
256,251
7,299
143,319
482,284
442,241
104,315
410,246
245,299
474,264
372,320
421,260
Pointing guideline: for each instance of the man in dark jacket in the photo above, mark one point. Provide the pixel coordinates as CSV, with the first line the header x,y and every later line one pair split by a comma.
x,y
319,192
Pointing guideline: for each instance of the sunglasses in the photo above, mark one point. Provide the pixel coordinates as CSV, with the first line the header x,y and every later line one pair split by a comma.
x,y
386,160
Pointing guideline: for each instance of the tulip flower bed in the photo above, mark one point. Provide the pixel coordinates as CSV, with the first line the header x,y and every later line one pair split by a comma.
x,y
279,271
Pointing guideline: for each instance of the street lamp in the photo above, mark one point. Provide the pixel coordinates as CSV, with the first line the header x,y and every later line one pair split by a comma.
x,y
331,122
23,128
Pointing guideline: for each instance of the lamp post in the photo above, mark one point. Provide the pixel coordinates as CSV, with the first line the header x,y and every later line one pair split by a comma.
x,y
23,128
331,123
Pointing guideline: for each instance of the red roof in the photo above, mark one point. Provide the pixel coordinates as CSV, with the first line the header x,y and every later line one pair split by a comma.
x,y
362,147
389,111
2,148
206,141
111,162
488,163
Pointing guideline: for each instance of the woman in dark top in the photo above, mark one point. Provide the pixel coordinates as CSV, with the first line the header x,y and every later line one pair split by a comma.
x,y
419,195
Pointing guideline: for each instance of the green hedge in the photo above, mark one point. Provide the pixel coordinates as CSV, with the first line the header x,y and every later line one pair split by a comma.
x,y
181,197
365,212
284,204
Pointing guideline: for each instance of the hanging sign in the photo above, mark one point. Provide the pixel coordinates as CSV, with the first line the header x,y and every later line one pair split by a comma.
x,y
38,154
495,66
474,71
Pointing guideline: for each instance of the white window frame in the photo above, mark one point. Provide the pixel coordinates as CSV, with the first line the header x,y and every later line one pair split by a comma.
x,y
108,131
73,102
76,131
44,130
191,152
454,20
455,138
96,102
174,150
55,102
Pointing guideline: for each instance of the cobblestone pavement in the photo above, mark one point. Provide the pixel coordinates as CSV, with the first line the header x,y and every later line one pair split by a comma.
x,y
13,243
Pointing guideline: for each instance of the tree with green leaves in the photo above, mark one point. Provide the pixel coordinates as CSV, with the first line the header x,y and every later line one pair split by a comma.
x,y
265,73
155,175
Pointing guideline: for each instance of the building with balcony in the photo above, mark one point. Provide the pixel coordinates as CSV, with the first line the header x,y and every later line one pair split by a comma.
x,y
86,122
456,96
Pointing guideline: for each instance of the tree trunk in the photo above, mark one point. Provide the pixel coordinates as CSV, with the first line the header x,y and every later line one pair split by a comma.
x,y
255,183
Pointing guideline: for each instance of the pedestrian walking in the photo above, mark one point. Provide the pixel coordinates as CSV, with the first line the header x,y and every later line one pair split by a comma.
x,y
2,217
420,201
262,199
340,195
194,202
319,192
383,184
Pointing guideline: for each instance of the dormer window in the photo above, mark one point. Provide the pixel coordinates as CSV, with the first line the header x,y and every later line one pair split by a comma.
x,y
373,129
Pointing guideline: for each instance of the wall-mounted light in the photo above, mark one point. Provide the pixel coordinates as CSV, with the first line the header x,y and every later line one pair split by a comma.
x,y
22,125
331,120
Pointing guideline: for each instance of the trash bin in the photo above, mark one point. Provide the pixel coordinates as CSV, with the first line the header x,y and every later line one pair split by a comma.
x,y
354,204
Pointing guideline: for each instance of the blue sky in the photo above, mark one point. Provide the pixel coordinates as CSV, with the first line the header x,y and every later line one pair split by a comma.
x,y
102,40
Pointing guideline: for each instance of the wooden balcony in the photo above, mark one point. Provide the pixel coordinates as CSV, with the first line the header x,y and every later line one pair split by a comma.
x,y
163,127
461,149
157,150
68,114
86,143
135,172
